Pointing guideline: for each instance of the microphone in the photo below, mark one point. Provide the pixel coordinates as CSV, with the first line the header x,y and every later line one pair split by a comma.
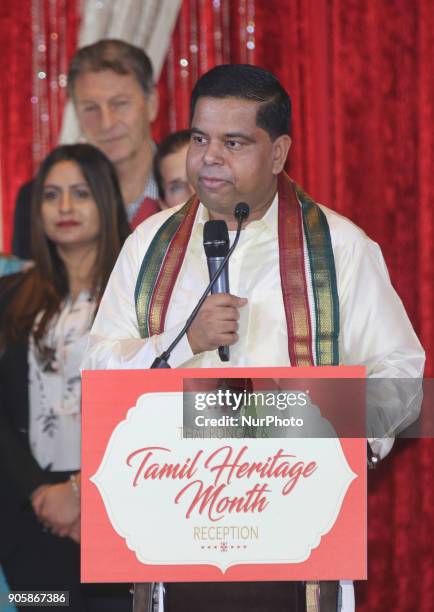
x,y
216,245
241,212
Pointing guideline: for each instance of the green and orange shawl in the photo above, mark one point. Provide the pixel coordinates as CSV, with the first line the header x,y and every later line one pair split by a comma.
x,y
304,237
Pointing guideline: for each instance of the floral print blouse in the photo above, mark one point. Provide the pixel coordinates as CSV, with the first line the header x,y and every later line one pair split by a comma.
x,y
55,386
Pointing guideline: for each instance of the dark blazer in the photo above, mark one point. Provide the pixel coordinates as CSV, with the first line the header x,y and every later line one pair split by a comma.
x,y
22,215
20,474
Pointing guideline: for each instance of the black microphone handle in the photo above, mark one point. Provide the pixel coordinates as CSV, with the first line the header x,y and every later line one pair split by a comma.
x,y
224,353
221,285
163,360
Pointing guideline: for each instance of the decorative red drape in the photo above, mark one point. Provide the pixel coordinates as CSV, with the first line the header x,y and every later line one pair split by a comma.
x,y
38,38
362,84
15,109
207,33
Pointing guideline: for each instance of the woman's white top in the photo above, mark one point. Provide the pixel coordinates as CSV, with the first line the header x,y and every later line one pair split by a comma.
x,y
55,386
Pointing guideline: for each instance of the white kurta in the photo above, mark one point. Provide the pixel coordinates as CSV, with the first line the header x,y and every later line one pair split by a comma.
x,y
374,328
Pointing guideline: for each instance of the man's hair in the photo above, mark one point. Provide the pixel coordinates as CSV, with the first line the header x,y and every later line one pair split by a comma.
x,y
248,82
171,144
111,54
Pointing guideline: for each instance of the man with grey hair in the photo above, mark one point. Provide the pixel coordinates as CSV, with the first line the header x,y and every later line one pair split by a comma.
x,y
111,85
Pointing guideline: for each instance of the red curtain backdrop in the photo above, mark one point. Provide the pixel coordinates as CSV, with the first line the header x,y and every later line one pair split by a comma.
x,y
362,84
38,38
15,106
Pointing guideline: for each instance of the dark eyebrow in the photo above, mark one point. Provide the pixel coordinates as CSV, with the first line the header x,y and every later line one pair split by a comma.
x,y
227,136
239,135
111,99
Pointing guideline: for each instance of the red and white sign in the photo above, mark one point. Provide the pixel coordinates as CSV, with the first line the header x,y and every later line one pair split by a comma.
x,y
161,507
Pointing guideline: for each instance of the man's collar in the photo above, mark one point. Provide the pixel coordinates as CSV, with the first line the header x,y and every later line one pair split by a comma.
x,y
150,191
268,221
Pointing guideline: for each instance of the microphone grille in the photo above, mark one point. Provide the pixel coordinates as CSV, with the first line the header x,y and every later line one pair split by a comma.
x,y
216,238
242,210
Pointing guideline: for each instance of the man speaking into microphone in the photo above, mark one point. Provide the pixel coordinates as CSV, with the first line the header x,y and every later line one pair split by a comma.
x,y
307,287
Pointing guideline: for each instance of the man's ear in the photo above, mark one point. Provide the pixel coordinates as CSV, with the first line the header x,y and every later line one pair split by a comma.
x,y
153,104
281,147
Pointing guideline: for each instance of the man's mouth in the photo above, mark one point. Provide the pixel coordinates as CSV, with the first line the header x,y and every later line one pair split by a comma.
x,y
109,141
211,182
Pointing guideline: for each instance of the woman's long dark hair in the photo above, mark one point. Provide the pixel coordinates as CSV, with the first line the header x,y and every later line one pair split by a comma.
x,y
46,285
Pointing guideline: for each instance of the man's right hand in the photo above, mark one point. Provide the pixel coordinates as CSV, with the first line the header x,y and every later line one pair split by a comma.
x,y
216,323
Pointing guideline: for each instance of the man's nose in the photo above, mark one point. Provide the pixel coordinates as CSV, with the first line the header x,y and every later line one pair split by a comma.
x,y
107,118
214,153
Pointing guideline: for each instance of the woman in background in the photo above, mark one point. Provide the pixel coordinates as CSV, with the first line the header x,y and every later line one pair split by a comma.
x,y
78,228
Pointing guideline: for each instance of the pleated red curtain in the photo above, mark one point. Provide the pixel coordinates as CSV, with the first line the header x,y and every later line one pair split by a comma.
x,y
207,33
38,38
361,79
15,109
